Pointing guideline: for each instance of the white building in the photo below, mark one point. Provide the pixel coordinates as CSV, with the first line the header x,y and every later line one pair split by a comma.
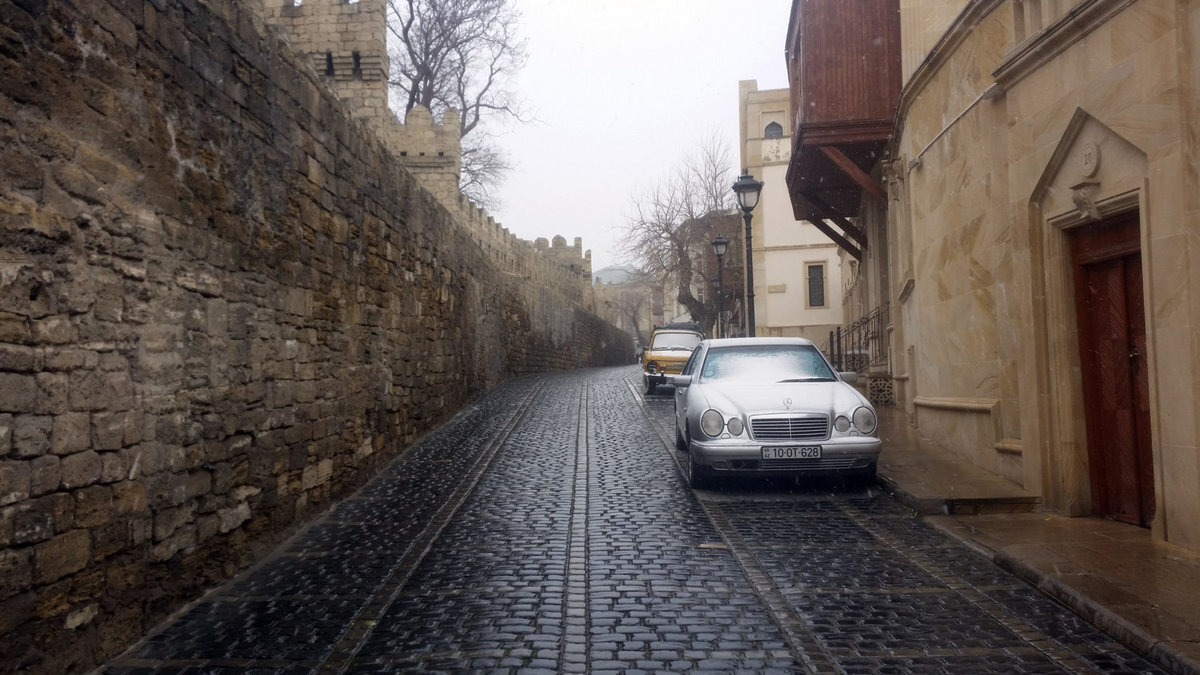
x,y
797,269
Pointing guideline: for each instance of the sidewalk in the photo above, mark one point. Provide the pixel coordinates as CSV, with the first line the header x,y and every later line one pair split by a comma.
x,y
1143,592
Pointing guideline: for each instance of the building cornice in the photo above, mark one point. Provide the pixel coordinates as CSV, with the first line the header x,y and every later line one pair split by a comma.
x,y
800,247
1025,58
1039,48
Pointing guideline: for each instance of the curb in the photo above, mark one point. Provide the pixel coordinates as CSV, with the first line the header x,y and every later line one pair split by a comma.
x,y
1122,630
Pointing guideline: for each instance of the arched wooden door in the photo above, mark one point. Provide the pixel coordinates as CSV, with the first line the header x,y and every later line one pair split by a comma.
x,y
1109,303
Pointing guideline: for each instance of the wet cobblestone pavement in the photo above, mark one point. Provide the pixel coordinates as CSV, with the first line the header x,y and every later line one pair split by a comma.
x,y
548,529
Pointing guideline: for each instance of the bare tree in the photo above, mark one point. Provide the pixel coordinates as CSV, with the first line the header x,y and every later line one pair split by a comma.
x,y
670,232
483,168
458,54
631,301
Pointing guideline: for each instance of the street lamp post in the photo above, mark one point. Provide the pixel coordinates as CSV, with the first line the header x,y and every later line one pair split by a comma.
x,y
747,190
720,246
717,289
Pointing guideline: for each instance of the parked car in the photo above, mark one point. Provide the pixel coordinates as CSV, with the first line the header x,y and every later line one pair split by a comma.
x,y
771,406
669,348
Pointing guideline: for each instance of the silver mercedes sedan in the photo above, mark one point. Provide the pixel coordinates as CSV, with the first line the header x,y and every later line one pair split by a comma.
x,y
770,406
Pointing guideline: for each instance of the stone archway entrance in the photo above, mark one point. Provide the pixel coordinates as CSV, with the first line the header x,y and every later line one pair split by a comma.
x,y
1107,265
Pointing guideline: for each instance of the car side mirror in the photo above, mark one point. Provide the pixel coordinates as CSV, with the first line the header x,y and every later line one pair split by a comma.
x,y
680,380
849,377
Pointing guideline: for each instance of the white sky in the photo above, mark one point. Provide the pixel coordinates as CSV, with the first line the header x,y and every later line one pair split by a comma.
x,y
622,91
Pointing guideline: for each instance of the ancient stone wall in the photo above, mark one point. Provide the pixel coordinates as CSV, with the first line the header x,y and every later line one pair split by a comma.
x,y
345,43
223,303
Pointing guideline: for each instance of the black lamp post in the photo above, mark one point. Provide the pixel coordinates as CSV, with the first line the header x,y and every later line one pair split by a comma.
x,y
715,283
720,246
747,190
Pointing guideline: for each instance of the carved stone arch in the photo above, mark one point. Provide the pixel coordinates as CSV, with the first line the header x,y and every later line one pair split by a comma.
x,y
1093,174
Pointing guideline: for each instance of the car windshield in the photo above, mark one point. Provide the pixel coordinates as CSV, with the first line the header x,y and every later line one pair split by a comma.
x,y
766,363
680,341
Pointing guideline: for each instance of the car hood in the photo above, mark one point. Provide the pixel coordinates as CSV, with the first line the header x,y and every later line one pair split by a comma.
x,y
743,398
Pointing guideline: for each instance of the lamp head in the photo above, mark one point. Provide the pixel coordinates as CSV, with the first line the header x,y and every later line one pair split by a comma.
x,y
747,190
720,245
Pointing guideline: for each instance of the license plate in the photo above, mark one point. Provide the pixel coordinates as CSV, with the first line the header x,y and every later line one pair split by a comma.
x,y
792,452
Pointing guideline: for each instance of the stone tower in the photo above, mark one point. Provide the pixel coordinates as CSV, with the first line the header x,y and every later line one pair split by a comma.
x,y
346,44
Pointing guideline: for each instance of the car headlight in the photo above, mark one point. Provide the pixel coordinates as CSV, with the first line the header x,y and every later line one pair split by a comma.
x,y
652,367
842,424
735,426
712,423
864,420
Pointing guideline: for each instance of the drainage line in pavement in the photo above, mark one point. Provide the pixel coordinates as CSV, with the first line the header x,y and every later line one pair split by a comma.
x,y
795,630
343,653
573,654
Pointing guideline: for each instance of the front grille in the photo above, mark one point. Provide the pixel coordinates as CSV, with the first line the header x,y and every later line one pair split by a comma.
x,y
790,428
828,464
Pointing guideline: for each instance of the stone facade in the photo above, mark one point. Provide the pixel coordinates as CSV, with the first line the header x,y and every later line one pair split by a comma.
x,y
223,304
1025,121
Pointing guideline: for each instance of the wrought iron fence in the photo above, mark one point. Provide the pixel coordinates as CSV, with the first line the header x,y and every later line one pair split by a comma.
x,y
861,344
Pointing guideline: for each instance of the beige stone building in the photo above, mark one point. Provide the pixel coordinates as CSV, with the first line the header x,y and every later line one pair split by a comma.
x,y
1042,214
797,269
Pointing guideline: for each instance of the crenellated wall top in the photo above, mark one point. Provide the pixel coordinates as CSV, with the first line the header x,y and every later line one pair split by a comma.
x,y
346,43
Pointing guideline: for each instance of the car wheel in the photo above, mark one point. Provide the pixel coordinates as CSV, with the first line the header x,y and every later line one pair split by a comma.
x,y
679,440
698,476
650,385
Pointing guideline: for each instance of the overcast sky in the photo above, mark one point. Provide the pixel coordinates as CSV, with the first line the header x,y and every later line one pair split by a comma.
x,y
623,90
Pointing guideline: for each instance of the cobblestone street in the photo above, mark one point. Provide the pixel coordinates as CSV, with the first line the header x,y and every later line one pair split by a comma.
x,y
548,528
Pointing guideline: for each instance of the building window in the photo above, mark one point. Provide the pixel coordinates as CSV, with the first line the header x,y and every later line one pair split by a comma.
x,y
329,63
773,130
357,69
816,284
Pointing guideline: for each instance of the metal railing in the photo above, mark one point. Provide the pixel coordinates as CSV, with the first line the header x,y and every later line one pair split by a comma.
x,y
861,344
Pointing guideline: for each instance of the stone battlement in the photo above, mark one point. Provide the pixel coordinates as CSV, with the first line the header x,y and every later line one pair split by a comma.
x,y
345,44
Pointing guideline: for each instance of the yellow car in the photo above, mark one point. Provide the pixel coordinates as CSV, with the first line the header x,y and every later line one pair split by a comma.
x,y
669,348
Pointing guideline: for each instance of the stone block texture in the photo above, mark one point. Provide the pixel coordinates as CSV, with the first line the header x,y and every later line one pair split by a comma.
x,y
223,303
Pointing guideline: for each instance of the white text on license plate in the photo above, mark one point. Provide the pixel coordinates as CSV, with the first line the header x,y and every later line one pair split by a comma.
x,y
792,452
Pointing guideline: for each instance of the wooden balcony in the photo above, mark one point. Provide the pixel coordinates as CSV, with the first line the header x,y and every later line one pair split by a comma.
x,y
844,72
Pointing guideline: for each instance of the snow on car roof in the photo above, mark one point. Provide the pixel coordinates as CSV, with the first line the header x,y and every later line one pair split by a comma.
x,y
748,342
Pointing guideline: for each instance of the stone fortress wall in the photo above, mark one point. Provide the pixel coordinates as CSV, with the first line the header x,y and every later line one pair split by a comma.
x,y
223,303
346,44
